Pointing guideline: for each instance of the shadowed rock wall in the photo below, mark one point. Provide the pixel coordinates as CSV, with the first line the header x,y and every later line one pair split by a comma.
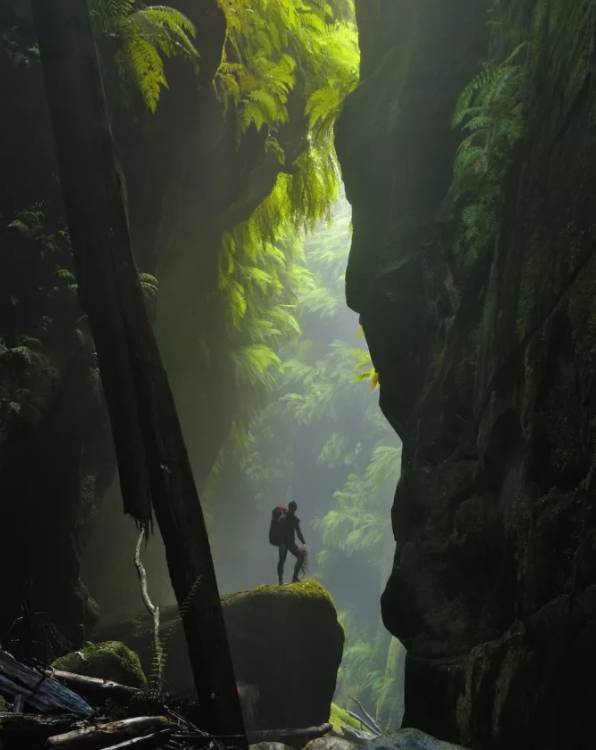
x,y
487,373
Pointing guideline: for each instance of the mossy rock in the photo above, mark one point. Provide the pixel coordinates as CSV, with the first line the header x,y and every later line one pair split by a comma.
x,y
110,660
286,644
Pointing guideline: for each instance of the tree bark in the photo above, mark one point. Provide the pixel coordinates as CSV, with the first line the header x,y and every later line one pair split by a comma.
x,y
152,458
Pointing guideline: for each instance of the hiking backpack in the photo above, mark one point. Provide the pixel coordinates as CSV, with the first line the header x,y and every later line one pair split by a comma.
x,y
276,528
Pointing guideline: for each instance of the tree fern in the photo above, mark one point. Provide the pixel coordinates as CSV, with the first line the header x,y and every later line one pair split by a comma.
x,y
256,364
145,36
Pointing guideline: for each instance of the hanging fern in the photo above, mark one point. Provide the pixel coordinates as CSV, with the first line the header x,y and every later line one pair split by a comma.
x,y
145,36
491,111
356,526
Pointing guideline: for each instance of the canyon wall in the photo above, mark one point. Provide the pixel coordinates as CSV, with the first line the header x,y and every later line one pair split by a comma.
x,y
486,367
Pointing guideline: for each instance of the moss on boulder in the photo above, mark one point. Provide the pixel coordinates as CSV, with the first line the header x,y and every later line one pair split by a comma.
x,y
110,660
287,642
286,645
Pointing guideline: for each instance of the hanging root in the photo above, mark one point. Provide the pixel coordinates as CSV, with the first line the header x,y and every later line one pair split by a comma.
x,y
156,679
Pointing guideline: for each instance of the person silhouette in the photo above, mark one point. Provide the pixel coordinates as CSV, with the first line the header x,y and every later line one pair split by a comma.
x,y
289,530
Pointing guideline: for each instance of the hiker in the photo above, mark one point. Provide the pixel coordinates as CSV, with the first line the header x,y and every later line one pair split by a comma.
x,y
285,526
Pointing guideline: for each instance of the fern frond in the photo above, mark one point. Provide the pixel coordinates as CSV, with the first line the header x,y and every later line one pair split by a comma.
x,y
147,69
145,34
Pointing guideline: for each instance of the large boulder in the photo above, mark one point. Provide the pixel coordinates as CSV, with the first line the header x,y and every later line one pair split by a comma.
x,y
286,645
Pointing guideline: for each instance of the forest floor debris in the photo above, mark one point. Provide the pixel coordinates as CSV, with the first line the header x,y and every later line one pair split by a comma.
x,y
50,709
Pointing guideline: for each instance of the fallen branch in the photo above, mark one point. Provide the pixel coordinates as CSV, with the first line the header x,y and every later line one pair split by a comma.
x,y
94,687
100,736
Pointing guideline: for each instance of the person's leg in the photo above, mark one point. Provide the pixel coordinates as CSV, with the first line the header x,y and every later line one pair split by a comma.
x,y
283,553
299,555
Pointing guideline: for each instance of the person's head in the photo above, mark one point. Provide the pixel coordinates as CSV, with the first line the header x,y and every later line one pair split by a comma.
x,y
292,507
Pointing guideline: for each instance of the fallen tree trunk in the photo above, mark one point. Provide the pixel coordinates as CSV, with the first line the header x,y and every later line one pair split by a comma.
x,y
152,459
102,735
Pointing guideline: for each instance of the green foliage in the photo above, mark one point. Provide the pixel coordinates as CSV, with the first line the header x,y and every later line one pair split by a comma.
x,y
362,671
491,111
144,36
262,269
256,364
275,48
357,526
306,426
286,70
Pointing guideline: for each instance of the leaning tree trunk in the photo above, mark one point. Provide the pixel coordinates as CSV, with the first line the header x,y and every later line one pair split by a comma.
x,y
152,458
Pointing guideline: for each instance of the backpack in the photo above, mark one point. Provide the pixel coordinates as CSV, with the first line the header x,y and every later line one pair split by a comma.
x,y
276,528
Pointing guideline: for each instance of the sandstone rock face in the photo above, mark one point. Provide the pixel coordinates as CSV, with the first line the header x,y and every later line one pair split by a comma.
x,y
487,373
286,646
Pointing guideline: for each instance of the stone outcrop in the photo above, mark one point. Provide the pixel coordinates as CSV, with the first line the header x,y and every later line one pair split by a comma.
x,y
286,646
487,373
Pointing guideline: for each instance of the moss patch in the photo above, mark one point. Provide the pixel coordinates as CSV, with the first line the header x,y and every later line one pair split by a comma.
x,y
309,588
111,660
